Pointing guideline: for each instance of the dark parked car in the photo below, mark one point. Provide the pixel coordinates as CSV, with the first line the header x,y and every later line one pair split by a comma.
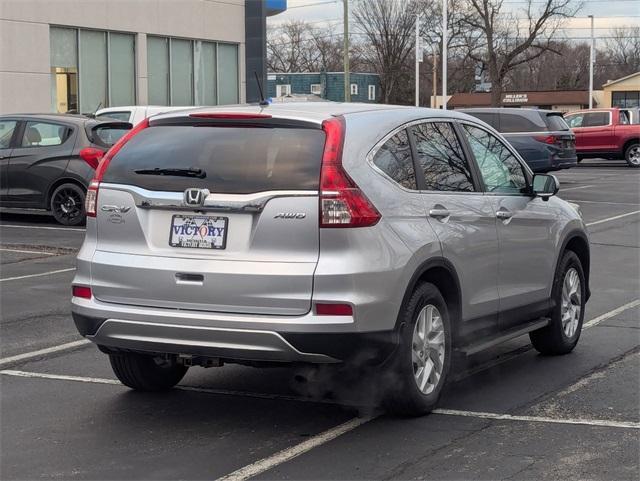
x,y
48,160
541,137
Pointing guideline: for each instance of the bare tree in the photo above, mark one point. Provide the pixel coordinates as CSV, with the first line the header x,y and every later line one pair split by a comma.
x,y
387,29
504,41
623,51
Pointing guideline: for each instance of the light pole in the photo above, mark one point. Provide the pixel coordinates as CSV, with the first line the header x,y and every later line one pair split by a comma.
x,y
591,62
345,54
418,60
444,54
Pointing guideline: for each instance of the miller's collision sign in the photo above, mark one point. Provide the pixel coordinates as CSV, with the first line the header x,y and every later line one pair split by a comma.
x,y
515,99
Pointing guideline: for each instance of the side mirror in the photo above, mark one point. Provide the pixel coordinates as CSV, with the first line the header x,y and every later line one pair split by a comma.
x,y
545,186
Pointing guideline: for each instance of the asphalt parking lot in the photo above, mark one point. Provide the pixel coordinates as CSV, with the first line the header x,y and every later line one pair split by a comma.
x,y
510,414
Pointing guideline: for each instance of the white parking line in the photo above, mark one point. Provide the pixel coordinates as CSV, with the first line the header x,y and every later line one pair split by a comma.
x,y
540,419
20,251
49,273
575,188
608,315
615,217
288,454
41,352
67,229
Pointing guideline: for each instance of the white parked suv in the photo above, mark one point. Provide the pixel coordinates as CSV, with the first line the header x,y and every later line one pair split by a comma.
x,y
134,113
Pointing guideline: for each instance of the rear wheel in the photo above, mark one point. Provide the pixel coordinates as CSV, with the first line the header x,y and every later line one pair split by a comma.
x,y
421,364
146,372
67,204
632,155
569,294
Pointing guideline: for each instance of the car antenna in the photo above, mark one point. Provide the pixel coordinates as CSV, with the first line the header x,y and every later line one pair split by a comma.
x,y
263,102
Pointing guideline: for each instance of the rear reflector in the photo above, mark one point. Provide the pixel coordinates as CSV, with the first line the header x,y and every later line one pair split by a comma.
x,y
334,310
342,203
91,156
81,291
230,115
91,201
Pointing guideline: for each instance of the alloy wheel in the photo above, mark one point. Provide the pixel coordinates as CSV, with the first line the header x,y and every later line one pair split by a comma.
x,y
634,155
67,204
571,302
428,349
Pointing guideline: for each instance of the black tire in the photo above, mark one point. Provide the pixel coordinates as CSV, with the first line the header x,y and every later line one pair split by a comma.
x,y
552,339
145,372
632,155
67,204
403,396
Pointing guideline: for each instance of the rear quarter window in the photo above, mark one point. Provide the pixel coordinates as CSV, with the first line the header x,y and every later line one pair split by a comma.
x,y
513,122
556,122
235,160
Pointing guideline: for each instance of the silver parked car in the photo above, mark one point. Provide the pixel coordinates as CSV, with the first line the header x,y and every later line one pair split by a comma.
x,y
324,233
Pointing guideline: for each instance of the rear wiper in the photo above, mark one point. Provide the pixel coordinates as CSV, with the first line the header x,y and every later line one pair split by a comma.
x,y
191,172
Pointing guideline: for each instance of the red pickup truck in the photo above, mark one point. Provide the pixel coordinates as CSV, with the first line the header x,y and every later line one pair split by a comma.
x,y
605,133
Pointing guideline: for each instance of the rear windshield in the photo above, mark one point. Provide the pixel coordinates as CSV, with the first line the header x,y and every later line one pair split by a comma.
x,y
107,136
556,122
230,160
124,116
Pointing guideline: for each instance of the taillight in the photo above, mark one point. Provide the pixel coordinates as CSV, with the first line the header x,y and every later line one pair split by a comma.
x,y
81,291
342,203
91,200
334,310
547,139
91,156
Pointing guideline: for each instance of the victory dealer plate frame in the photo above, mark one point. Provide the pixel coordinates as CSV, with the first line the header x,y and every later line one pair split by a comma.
x,y
198,231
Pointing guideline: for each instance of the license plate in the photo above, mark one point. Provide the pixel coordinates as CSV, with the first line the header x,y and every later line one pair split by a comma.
x,y
198,231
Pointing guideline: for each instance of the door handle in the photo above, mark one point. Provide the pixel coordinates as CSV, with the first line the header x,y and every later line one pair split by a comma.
x,y
439,213
187,279
504,214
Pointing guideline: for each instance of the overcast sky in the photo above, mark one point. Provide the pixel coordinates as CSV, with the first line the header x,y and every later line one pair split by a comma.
x,y
607,13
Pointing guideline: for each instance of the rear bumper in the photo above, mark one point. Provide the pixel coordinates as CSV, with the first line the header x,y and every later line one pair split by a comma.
x,y
290,339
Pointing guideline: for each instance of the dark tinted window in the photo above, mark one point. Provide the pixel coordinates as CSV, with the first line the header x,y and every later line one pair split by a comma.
x,y
520,123
556,122
394,159
441,158
489,118
235,160
595,119
500,170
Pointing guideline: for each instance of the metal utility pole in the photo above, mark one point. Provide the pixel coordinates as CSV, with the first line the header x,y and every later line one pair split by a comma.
x,y
418,60
591,62
435,79
345,54
444,54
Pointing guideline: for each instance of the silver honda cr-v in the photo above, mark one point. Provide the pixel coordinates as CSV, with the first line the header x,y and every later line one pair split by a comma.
x,y
324,233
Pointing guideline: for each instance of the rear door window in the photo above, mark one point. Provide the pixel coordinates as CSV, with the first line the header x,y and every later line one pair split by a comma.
x,y
230,160
556,122
441,158
487,117
510,123
43,134
595,119
394,159
574,120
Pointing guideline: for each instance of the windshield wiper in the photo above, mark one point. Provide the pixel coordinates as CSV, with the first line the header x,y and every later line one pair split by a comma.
x,y
191,172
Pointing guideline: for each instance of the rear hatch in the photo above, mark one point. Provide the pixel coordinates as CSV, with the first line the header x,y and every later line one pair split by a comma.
x,y
561,135
216,214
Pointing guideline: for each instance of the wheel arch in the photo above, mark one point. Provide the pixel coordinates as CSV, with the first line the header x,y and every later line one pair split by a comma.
x,y
441,273
578,243
58,183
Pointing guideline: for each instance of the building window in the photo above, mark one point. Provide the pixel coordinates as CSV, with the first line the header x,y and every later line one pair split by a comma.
x,y
91,69
625,99
354,89
188,72
316,89
372,92
283,89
